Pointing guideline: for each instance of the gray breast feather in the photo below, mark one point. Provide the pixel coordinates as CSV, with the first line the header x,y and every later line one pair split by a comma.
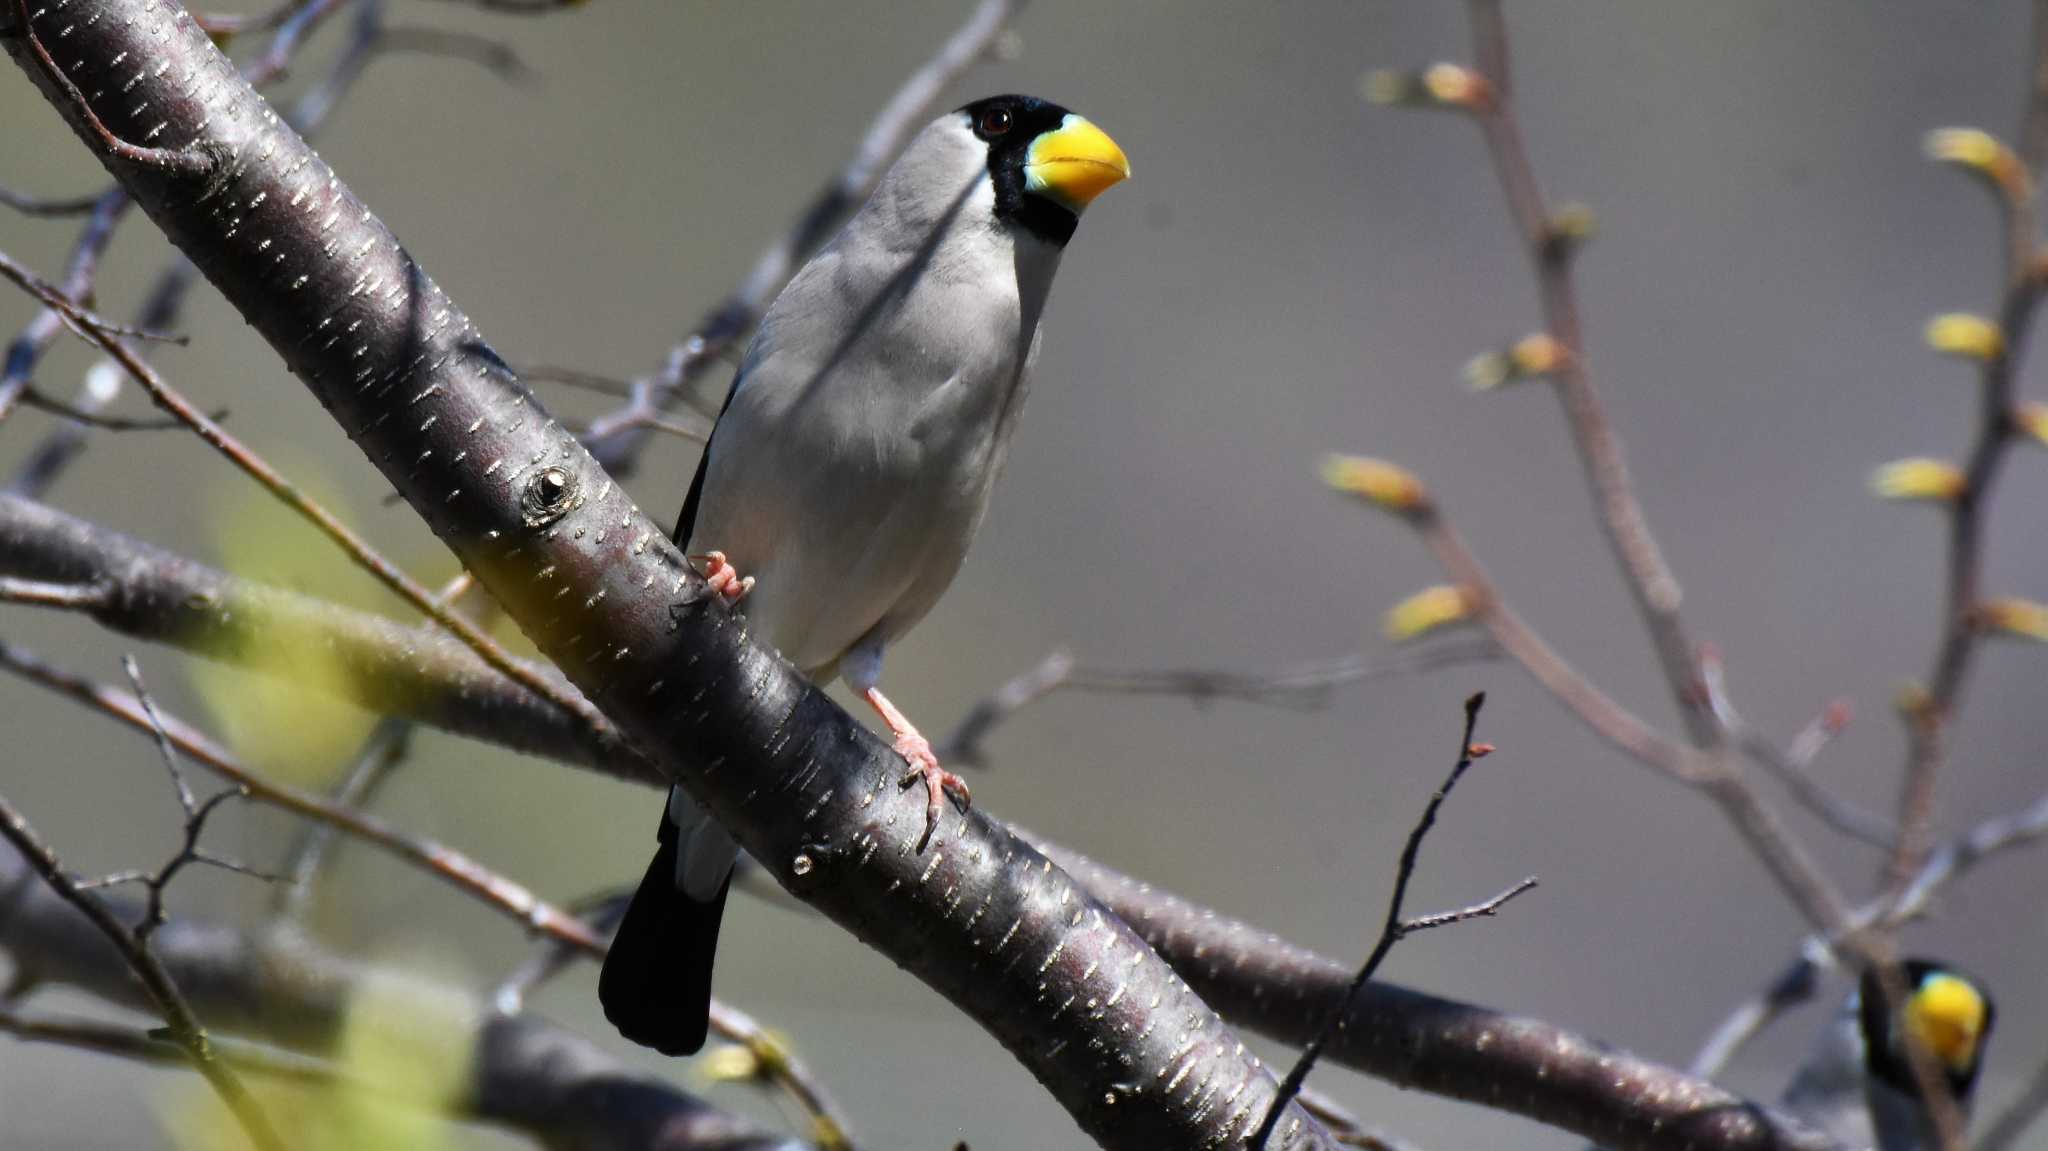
x,y
856,456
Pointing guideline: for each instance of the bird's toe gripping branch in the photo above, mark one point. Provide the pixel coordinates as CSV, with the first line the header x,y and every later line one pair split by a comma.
x,y
917,751
724,578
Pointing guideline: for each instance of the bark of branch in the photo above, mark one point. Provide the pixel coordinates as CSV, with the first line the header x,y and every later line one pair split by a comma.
x,y
147,592
524,1072
1441,1046
1463,1063
1073,992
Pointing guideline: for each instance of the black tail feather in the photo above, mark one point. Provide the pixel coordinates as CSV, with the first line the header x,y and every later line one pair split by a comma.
x,y
656,982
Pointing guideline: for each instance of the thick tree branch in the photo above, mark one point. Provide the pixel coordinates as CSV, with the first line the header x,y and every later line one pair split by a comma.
x,y
1137,1058
141,590
41,540
1411,1039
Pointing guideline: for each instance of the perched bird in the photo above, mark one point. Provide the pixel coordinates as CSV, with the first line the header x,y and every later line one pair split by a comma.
x,y
852,463
1858,1084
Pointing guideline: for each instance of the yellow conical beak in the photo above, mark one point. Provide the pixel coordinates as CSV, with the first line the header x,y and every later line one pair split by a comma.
x,y
1074,163
1947,1015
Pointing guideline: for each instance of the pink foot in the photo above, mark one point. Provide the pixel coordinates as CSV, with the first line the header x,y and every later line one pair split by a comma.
x,y
938,782
917,751
724,578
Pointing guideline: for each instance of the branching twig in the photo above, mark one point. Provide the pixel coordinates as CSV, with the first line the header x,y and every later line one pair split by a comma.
x,y
1931,717
523,1072
496,891
1395,928
184,1028
1798,981
314,513
1705,762
1421,1042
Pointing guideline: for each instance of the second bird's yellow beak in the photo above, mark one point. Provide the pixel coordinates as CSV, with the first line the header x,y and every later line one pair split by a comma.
x,y
1074,163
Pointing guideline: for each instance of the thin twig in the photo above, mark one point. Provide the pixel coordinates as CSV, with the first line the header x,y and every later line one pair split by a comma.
x,y
26,350
295,999
38,206
1649,579
1930,719
35,399
1304,686
550,957
777,1065
153,1047
1395,928
504,895
1790,765
68,596
288,493
1798,981
1485,909
382,751
180,161
184,1028
493,56
1707,763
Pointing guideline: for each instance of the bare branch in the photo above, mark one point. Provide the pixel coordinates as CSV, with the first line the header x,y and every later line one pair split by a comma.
x,y
152,1047
496,891
1800,979
523,1072
1929,719
1419,1041
289,494
1306,685
162,990
1393,929
385,666
1484,909
37,206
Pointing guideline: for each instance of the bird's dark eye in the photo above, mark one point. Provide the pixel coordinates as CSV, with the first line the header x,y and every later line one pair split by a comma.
x,y
995,122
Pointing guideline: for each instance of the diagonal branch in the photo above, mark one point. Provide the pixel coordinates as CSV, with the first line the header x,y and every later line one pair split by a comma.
x,y
982,917
143,591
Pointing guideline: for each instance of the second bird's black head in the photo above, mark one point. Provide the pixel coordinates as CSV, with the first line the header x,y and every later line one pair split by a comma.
x,y
1948,1012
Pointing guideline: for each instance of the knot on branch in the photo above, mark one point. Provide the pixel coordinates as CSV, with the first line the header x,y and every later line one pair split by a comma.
x,y
550,494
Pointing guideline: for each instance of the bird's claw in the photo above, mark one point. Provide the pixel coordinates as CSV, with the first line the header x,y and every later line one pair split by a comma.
x,y
723,578
939,783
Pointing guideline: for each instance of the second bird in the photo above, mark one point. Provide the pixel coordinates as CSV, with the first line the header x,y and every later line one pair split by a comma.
x,y
852,464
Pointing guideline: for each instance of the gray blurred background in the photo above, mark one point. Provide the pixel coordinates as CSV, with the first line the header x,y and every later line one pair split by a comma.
x,y
1289,272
